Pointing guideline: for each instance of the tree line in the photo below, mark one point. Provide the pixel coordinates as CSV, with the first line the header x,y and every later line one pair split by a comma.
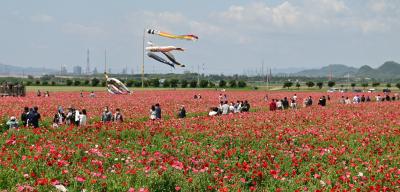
x,y
330,84
155,82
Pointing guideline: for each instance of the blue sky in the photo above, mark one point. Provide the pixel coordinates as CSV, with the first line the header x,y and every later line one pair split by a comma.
x,y
235,36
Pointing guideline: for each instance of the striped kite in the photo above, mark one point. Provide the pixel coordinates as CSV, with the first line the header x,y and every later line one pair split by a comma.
x,y
166,51
115,86
172,36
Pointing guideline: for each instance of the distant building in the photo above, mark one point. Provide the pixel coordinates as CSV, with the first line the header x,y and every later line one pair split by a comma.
x,y
63,70
77,70
95,71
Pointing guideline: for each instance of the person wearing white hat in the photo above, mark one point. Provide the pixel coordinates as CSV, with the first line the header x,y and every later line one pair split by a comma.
x,y
12,123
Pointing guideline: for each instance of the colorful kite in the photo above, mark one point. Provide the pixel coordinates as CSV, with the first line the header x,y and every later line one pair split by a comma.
x,y
166,50
159,59
115,86
172,36
163,48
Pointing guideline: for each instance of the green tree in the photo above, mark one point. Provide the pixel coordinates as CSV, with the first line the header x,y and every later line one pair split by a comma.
x,y
203,83
310,84
353,85
174,83
166,83
211,84
95,82
103,83
365,85
388,85
130,83
398,85
242,84
298,85
137,83
331,84
375,84
287,84
232,83
69,82
86,82
184,83
320,85
155,82
193,84
53,83
45,83
77,82
222,83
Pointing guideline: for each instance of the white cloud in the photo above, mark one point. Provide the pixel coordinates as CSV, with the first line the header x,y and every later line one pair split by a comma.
x,y
327,6
283,14
85,31
41,18
377,6
373,26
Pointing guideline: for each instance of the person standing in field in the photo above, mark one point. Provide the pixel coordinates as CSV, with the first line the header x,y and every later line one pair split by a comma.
x,y
24,117
225,108
153,113
309,101
34,117
77,116
83,118
266,98
59,117
294,97
106,115
92,95
118,116
12,123
293,103
342,100
322,101
158,111
285,103
347,101
232,108
246,106
279,104
38,93
272,105
182,112
220,97
70,117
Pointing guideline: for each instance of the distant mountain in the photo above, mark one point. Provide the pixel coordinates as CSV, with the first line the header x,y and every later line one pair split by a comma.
x,y
337,70
15,70
389,70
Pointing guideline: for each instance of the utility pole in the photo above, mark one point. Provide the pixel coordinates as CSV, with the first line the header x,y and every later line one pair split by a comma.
x,y
144,36
105,61
198,74
87,63
262,70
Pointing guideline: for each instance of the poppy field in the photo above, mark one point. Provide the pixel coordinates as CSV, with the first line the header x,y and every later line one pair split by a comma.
x,y
334,148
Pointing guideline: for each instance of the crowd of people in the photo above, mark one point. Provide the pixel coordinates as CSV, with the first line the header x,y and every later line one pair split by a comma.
x,y
363,98
45,94
31,117
224,108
